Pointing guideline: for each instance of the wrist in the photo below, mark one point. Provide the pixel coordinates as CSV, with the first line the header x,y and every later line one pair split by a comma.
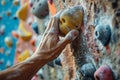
x,y
39,59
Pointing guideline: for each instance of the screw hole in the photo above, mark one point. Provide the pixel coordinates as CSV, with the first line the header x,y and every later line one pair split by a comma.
x,y
63,20
63,0
33,8
76,26
60,22
96,33
46,10
42,15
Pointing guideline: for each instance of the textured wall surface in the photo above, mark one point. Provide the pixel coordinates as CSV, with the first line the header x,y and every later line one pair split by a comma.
x,y
98,42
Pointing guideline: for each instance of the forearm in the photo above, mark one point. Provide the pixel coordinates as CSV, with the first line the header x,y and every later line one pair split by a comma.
x,y
24,70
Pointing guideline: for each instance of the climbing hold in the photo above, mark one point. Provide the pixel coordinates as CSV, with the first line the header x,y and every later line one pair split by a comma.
x,y
8,64
1,61
8,13
23,56
18,50
16,2
35,27
104,73
63,0
58,62
7,52
50,1
103,34
3,2
15,34
40,8
116,19
71,18
88,70
1,50
31,3
8,41
52,8
22,12
26,37
51,64
0,17
32,42
2,28
14,17
23,33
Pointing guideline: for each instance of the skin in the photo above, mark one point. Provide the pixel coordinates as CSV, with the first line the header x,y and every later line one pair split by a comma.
x,y
49,48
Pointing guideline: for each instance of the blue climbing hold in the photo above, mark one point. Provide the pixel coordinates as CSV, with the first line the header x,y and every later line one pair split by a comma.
x,y
103,34
87,71
58,62
35,27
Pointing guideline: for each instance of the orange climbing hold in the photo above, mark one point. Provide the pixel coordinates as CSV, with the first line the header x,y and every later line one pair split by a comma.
x,y
52,8
32,42
15,34
1,50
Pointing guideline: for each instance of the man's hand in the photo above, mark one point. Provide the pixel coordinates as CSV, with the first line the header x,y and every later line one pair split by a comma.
x,y
51,46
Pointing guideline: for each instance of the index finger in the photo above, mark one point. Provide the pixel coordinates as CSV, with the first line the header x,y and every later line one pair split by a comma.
x,y
55,23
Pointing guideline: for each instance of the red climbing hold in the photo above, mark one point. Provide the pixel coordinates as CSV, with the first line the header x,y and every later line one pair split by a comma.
x,y
50,1
104,73
15,34
1,50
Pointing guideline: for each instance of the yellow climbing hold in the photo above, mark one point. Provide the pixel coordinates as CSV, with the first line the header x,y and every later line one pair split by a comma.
x,y
16,2
3,2
22,12
24,55
8,13
23,33
8,41
71,18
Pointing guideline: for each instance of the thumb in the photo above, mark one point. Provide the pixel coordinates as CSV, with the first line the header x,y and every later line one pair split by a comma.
x,y
68,38
71,35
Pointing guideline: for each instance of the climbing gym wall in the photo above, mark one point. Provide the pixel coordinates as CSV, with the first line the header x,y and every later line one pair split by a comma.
x,y
96,50
93,55
17,32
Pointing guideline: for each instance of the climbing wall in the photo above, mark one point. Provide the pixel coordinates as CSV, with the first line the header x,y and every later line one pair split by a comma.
x,y
95,54
96,50
8,23
17,32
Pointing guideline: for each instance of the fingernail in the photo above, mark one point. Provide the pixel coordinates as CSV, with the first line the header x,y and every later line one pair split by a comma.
x,y
72,34
75,33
